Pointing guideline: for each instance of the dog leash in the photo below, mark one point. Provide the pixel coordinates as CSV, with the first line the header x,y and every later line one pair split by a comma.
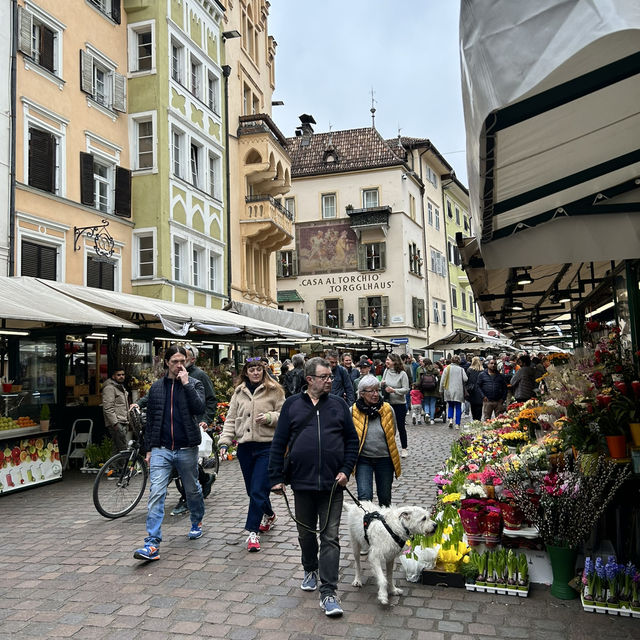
x,y
302,524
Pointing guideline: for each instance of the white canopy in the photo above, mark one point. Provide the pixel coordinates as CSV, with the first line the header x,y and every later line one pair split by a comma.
x,y
551,93
467,340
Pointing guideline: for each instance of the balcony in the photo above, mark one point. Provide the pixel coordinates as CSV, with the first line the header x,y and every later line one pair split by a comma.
x,y
266,222
369,218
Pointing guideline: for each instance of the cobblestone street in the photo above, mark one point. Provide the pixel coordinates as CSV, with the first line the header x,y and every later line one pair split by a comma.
x,y
68,572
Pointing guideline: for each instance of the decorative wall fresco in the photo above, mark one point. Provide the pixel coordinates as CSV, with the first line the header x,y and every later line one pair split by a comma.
x,y
326,247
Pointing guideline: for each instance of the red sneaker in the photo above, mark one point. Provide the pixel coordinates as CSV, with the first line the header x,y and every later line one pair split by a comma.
x,y
253,542
268,522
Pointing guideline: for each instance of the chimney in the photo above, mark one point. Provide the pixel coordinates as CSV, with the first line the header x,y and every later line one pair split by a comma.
x,y
305,128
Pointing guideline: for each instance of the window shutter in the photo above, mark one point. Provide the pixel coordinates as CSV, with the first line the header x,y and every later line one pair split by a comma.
x,y
42,150
383,254
294,263
108,271
87,194
119,92
362,311
320,315
340,312
115,11
414,311
46,48
26,28
123,192
93,273
86,72
421,307
38,261
29,259
362,257
279,269
384,301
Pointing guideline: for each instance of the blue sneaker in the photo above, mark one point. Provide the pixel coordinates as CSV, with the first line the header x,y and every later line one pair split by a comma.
x,y
148,552
331,606
196,531
310,582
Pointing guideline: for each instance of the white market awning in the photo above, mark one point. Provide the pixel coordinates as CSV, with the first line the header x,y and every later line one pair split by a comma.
x,y
466,340
354,336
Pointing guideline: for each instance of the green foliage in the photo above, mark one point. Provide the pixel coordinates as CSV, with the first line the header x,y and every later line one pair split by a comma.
x,y
97,454
45,412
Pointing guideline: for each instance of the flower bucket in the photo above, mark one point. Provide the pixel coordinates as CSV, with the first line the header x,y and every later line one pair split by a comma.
x,y
617,446
635,433
563,564
512,516
635,458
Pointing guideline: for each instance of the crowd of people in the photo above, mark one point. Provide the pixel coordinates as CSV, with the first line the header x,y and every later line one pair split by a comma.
x,y
308,423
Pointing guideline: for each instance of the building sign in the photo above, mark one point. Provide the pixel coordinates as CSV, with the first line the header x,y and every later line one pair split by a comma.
x,y
359,282
326,247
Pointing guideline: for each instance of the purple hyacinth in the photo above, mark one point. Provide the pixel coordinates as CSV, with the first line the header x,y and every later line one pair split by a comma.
x,y
611,569
599,567
630,569
588,566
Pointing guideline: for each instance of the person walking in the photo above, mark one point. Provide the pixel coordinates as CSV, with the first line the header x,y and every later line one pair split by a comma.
x,y
293,380
347,363
427,379
375,424
342,385
115,408
452,385
317,429
473,391
493,387
523,382
364,366
171,440
416,397
396,386
251,420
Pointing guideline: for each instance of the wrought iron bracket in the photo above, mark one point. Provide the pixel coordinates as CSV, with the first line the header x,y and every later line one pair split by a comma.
x,y
102,240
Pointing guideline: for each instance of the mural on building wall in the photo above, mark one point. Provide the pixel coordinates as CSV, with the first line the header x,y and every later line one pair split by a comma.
x,y
326,247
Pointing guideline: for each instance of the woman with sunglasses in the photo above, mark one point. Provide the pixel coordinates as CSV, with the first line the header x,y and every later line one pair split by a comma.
x,y
251,420
375,424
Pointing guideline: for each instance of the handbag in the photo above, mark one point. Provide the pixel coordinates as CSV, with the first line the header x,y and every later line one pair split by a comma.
x,y
205,448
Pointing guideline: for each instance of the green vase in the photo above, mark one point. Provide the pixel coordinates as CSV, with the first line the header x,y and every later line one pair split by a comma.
x,y
563,565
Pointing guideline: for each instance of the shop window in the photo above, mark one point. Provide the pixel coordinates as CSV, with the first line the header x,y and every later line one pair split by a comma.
x,y
417,306
372,256
329,312
100,274
38,261
374,311
287,263
38,367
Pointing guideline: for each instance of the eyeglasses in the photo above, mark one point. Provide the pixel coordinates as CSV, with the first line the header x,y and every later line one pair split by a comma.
x,y
324,378
254,359
370,391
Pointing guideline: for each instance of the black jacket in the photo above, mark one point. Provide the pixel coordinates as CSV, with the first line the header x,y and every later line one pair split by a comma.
x,y
210,399
523,383
475,394
188,406
492,387
293,381
325,445
342,385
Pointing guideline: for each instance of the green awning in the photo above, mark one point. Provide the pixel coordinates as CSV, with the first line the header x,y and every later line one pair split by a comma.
x,y
289,295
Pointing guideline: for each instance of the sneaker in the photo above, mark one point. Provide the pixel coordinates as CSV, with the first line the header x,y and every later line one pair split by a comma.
x,y
148,552
253,542
268,522
404,453
432,422
196,531
458,427
427,417
450,424
331,606
310,581
180,508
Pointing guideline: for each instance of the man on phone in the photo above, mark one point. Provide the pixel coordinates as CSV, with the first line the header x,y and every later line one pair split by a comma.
x,y
175,403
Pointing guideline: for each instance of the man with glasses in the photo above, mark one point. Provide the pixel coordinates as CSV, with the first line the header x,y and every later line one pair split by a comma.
x,y
115,407
493,389
316,430
171,439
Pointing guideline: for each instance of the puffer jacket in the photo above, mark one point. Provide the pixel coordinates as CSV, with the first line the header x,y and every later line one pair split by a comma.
x,y
240,422
492,387
188,400
523,383
326,442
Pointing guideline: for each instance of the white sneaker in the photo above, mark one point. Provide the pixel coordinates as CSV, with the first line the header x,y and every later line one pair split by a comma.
x,y
404,453
450,425
432,422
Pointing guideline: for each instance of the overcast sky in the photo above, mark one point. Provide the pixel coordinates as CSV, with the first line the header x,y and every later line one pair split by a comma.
x,y
331,54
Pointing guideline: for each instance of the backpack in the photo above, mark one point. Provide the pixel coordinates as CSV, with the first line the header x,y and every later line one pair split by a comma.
x,y
427,382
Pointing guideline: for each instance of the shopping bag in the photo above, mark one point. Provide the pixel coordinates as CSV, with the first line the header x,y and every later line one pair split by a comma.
x,y
206,446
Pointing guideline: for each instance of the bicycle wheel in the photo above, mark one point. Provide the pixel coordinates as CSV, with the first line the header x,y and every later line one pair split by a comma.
x,y
120,484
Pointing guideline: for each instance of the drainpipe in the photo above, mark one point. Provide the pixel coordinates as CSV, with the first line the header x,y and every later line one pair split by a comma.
x,y
226,72
12,149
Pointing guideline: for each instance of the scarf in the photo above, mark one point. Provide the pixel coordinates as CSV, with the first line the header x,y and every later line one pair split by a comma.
x,y
371,410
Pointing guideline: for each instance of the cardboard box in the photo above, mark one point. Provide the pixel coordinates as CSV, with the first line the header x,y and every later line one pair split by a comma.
x,y
69,381
81,390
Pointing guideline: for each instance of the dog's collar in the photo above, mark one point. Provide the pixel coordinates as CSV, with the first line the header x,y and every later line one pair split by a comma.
x,y
375,515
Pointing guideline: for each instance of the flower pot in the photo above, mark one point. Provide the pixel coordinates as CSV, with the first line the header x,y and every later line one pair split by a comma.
x,y
617,446
44,425
490,490
563,564
512,516
635,433
6,387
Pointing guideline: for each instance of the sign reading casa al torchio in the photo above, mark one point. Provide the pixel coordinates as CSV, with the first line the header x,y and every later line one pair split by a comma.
x,y
359,282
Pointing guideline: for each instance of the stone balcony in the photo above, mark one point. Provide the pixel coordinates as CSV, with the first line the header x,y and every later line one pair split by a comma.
x,y
267,223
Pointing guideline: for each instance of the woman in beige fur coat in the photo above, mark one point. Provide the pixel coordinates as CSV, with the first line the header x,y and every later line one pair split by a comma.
x,y
251,420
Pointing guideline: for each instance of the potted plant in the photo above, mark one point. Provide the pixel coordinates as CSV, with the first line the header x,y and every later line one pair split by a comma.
x,y
613,422
611,572
523,573
45,417
626,410
97,454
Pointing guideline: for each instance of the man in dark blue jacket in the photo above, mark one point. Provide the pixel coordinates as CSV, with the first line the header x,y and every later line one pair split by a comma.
x,y
342,385
318,430
493,389
171,439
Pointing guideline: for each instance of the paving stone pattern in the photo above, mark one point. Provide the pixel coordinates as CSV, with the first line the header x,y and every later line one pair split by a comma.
x,y
69,573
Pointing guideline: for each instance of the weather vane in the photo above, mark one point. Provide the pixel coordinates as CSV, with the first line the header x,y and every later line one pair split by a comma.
x,y
373,109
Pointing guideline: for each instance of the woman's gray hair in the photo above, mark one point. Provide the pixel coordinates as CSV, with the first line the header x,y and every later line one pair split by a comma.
x,y
368,381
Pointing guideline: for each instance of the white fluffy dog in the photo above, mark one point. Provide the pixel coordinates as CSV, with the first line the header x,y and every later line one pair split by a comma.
x,y
384,547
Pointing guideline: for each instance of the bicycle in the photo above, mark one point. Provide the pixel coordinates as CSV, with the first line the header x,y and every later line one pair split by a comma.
x,y
120,483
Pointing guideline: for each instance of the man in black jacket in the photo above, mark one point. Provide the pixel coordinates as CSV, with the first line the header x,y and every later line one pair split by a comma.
x,y
293,380
318,430
171,439
342,384
493,389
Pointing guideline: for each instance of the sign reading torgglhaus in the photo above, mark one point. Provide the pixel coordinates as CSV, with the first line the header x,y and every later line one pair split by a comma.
x,y
359,282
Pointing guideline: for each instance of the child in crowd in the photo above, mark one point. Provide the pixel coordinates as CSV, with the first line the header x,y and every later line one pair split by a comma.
x,y
416,404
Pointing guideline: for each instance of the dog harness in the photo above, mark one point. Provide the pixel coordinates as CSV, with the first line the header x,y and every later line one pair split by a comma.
x,y
375,515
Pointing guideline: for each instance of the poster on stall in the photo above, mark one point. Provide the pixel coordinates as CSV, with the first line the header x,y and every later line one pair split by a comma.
x,y
27,462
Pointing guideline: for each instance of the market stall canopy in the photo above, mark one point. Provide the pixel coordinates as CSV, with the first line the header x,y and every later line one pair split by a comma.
x,y
353,336
177,318
466,340
27,303
287,319
551,93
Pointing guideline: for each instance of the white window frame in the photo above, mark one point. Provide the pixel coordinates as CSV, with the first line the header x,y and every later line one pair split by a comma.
x,y
443,312
436,215
213,92
108,181
177,62
103,6
178,153
133,31
325,208
430,213
138,234
457,215
179,268
463,300
195,76
366,193
290,206
101,62
214,175
214,280
135,120
435,309
454,297
57,27
196,151
198,267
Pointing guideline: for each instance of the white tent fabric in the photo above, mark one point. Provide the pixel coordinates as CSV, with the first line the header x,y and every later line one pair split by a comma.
x,y
288,319
551,93
27,303
467,340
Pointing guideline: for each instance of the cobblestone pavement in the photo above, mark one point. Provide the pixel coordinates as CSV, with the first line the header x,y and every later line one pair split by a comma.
x,y
68,572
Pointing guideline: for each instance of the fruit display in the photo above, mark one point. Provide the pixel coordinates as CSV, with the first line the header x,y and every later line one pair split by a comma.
x,y
7,423
29,461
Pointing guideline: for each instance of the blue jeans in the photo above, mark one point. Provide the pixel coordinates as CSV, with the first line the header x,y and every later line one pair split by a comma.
x,y
457,407
383,470
163,462
311,508
429,406
401,417
254,462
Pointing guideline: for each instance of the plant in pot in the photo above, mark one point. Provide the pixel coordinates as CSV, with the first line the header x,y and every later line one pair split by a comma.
x,y
635,591
512,569
626,410
501,568
626,589
469,567
480,562
97,454
611,572
614,425
45,417
523,573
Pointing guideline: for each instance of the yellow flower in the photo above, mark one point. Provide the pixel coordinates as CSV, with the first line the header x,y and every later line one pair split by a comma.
x,y
465,560
448,530
451,497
